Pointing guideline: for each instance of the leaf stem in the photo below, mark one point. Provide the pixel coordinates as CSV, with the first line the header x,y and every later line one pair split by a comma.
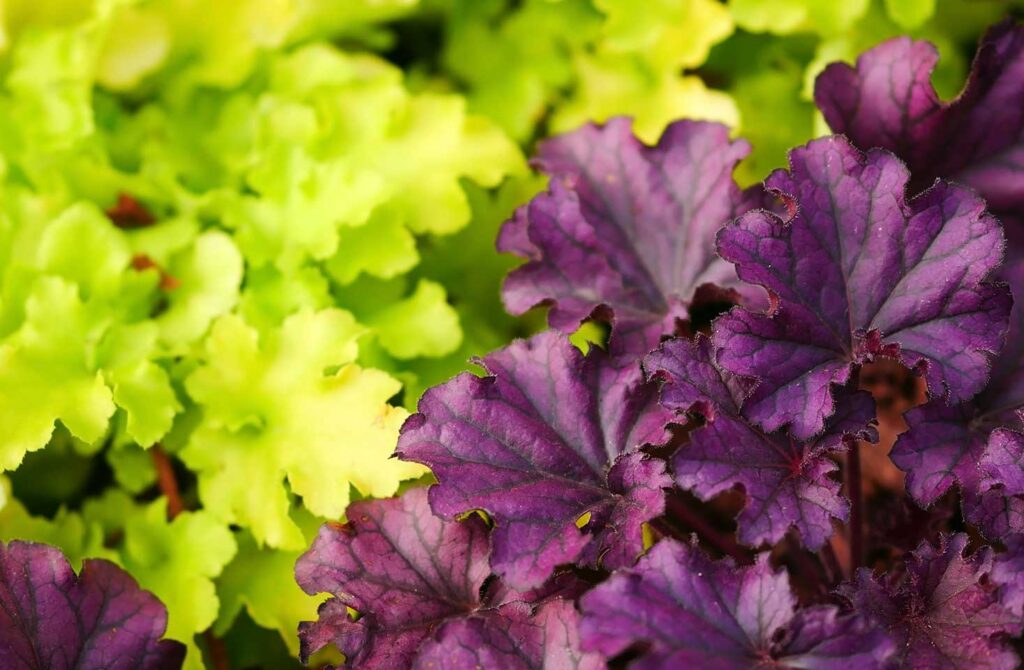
x,y
679,511
168,483
853,490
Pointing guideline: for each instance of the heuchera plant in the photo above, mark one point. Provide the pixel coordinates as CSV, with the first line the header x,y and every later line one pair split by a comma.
x,y
581,515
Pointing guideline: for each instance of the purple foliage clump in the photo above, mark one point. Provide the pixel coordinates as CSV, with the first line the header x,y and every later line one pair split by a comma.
x,y
693,493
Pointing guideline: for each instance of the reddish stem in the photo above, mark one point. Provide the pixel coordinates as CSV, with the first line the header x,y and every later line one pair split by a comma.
x,y
853,490
217,651
168,484
167,481
679,511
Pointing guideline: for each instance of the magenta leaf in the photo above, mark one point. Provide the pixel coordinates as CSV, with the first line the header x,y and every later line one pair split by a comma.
x,y
549,440
943,611
788,483
625,226
679,609
100,620
418,584
859,272
977,139
971,444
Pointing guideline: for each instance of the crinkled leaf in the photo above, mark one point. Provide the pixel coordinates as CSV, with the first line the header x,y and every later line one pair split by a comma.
x,y
942,611
513,637
162,554
685,610
45,374
290,404
1008,574
626,226
426,571
549,436
888,101
788,483
51,619
423,595
945,445
857,271
262,581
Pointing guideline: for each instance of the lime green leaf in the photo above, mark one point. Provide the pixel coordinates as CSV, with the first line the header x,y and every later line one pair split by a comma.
x,y
615,86
382,247
141,387
45,374
290,404
783,17
208,276
910,13
424,324
67,530
262,581
671,34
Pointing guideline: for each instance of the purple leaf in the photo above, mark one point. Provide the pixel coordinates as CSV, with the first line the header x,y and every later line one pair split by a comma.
x,y
403,569
946,445
859,272
682,610
625,226
548,440
942,611
978,139
513,637
420,585
788,483
1003,462
1008,574
100,620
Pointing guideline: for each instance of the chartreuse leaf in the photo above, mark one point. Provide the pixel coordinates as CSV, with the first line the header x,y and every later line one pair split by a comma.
x,y
290,404
261,580
54,620
207,275
68,531
162,555
671,34
45,373
423,324
611,86
788,16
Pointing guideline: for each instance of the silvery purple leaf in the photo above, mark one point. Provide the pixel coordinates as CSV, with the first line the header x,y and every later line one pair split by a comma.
x,y
857,272
626,226
683,610
788,483
548,446
422,587
942,610
888,101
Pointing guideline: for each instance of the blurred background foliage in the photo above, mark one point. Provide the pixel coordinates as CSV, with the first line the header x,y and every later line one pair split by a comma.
x,y
239,238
